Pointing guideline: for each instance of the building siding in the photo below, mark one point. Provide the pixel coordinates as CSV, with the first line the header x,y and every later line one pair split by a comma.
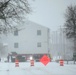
x,y
27,39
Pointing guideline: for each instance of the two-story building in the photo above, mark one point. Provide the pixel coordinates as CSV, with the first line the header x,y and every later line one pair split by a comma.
x,y
29,39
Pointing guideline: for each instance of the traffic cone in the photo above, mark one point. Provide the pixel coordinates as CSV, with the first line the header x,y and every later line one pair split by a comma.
x,y
16,63
61,62
32,62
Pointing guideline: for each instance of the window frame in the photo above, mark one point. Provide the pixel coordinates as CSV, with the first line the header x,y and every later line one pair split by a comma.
x,y
39,44
16,33
38,32
16,45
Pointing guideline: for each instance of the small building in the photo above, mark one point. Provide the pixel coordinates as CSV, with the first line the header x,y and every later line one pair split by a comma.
x,y
29,39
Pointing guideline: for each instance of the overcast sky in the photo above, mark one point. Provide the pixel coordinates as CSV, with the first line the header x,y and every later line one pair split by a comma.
x,y
49,13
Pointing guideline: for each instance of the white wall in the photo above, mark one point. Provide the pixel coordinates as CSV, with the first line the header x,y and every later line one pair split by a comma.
x,y
27,39
3,49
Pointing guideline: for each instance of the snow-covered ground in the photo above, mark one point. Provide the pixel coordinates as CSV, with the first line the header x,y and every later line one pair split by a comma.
x,y
51,68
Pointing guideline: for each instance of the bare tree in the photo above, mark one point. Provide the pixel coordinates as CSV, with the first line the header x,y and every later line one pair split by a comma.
x,y
12,11
70,24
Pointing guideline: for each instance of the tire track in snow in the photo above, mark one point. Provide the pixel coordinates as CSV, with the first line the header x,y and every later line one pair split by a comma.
x,y
37,71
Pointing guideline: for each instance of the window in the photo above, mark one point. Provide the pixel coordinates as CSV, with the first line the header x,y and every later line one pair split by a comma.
x,y
16,32
15,45
39,44
38,32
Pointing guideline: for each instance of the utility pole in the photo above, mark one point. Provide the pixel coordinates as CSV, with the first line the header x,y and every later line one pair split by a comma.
x,y
48,41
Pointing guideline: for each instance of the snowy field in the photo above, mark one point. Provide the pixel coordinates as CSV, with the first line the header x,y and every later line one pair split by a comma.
x,y
51,68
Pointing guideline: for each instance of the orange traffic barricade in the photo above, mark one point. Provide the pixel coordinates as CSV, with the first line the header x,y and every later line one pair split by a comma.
x,y
16,63
61,62
32,62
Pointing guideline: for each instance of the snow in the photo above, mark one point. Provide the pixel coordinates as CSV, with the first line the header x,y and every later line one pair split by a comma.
x,y
51,68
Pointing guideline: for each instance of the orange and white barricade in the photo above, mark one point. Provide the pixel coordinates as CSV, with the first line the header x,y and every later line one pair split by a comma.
x,y
61,62
32,62
16,63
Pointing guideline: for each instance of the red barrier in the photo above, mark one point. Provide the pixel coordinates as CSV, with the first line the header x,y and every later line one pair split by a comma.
x,y
16,63
32,62
61,62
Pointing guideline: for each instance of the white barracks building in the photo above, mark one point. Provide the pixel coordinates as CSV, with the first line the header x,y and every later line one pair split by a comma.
x,y
29,39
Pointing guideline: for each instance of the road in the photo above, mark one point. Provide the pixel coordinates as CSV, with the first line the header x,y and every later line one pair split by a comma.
x,y
51,68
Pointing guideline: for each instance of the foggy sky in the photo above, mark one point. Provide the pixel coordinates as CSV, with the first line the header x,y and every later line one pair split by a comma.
x,y
49,13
